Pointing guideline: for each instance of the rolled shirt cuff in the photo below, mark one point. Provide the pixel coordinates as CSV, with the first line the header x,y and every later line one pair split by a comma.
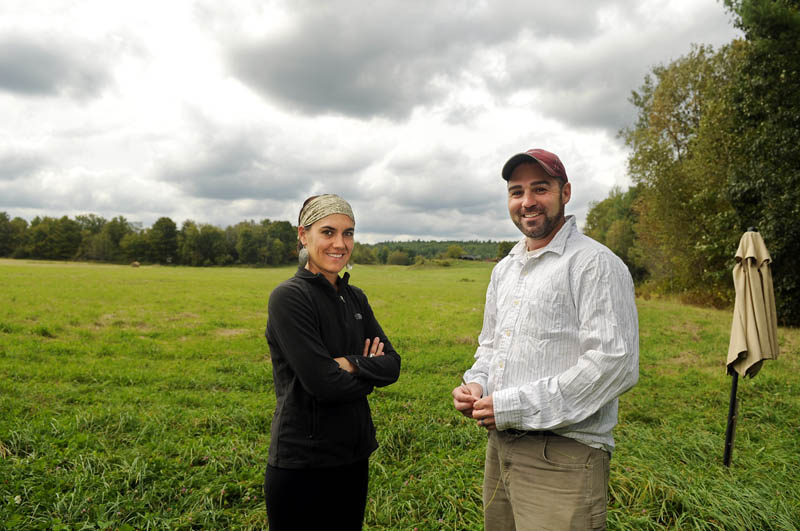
x,y
508,411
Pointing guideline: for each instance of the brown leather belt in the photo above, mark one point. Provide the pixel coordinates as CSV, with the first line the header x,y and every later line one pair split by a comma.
x,y
536,433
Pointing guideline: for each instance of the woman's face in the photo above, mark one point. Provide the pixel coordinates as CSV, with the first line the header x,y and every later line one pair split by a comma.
x,y
329,242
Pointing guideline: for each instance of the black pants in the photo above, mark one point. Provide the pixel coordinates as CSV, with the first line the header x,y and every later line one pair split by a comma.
x,y
316,498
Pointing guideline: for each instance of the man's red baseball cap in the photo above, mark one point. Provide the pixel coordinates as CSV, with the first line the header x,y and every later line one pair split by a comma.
x,y
549,161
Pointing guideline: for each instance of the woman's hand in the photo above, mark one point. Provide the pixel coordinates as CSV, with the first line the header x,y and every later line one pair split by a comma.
x,y
373,348
345,364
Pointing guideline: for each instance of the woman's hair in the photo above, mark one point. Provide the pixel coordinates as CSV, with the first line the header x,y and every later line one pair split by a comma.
x,y
300,216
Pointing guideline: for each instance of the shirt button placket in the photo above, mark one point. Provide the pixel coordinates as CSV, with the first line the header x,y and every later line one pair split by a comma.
x,y
513,319
507,335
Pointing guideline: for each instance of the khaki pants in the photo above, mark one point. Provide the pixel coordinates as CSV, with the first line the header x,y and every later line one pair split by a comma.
x,y
539,481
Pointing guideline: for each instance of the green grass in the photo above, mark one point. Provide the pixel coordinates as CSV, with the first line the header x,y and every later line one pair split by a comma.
x,y
142,399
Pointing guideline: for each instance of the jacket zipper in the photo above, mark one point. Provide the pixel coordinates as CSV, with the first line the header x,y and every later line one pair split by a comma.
x,y
313,418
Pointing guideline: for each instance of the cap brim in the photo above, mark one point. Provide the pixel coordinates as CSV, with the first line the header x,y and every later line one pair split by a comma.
x,y
515,161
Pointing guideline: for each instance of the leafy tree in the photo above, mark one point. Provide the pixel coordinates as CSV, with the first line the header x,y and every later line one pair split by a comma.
x,y
39,231
117,228
247,245
383,254
53,239
277,252
211,245
163,241
455,251
503,248
7,240
107,244
66,238
764,184
91,223
283,230
363,254
93,246
187,244
682,147
612,222
102,248
398,258
135,246
287,234
19,237
231,239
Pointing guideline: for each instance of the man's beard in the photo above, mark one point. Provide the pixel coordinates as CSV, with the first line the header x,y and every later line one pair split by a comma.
x,y
543,230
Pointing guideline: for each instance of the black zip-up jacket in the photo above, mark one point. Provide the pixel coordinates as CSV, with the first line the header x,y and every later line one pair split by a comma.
x,y
322,416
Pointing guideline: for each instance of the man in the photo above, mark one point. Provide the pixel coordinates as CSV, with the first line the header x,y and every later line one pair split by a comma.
x,y
560,343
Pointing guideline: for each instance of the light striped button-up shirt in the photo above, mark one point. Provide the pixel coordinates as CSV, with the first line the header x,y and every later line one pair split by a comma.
x,y
560,338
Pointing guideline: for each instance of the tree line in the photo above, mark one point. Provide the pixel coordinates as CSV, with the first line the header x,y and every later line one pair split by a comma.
x,y
715,150
92,237
419,251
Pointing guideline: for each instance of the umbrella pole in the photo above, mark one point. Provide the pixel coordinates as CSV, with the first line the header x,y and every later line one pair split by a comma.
x,y
729,432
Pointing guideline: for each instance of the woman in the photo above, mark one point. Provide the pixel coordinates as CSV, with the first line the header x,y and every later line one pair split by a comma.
x,y
328,353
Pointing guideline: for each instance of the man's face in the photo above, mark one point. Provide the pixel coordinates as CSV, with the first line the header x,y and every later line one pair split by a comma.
x,y
536,203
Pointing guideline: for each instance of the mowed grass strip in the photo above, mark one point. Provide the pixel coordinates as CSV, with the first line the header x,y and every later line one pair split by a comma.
x,y
142,399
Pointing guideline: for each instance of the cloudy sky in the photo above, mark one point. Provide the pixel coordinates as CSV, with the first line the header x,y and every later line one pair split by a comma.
x,y
226,111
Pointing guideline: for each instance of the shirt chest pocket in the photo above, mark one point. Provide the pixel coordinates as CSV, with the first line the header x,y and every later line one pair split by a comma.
x,y
546,312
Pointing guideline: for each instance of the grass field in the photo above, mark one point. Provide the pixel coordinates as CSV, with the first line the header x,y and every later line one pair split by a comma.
x,y
142,399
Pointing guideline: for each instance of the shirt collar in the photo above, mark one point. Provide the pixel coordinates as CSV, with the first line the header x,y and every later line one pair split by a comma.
x,y
556,245
317,278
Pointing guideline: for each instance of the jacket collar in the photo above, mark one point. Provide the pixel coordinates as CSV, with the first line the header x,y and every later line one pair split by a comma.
x,y
556,245
318,278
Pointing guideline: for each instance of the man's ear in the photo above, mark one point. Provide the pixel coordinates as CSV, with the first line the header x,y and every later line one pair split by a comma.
x,y
566,193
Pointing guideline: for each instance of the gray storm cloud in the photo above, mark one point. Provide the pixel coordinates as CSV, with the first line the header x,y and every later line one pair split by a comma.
x,y
386,59
19,164
256,165
49,66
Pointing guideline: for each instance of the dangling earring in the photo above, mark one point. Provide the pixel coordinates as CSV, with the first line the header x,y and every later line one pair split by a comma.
x,y
302,256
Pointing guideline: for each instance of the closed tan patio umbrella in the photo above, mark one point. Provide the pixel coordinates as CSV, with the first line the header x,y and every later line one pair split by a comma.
x,y
754,332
